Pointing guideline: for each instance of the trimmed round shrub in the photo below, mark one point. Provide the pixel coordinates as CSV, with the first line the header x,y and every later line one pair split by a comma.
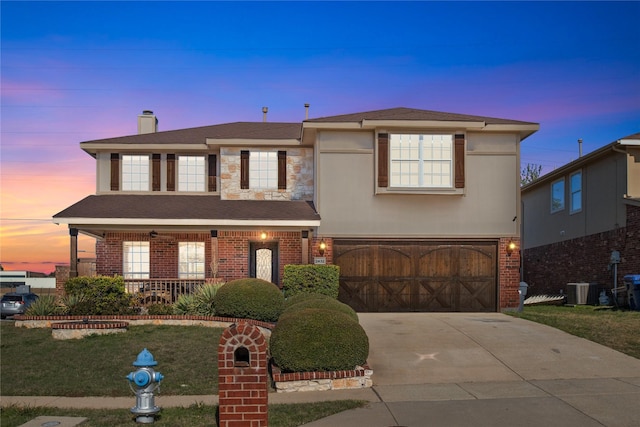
x,y
249,299
318,340
319,301
303,296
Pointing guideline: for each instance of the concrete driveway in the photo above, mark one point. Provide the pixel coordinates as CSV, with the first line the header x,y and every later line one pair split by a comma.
x,y
489,369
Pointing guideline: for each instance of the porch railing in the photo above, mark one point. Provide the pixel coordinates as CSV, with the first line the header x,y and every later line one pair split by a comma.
x,y
161,291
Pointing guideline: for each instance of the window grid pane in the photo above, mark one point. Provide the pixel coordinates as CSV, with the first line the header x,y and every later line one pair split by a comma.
x,y
576,191
135,173
421,160
135,257
557,196
191,260
191,173
263,170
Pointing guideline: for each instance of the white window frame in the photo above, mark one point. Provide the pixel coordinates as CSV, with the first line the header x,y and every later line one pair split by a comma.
x,y
191,260
573,192
192,173
561,203
135,172
421,161
135,260
263,170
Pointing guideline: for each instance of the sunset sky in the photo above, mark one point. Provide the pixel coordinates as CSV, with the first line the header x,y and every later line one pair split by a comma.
x,y
77,71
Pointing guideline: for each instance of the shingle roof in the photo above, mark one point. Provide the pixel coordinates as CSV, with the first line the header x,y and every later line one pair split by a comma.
x,y
206,207
402,113
237,130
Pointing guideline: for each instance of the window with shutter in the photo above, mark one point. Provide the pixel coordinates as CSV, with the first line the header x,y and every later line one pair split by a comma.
x,y
459,160
212,172
282,170
115,171
244,170
155,173
383,160
171,172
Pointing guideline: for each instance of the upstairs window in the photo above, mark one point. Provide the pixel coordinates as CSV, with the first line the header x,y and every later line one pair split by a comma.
x,y
191,260
557,196
191,173
421,161
135,260
575,184
135,173
263,170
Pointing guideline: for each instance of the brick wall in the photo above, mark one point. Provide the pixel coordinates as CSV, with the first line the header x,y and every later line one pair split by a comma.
x,y
163,252
548,268
242,377
508,274
233,251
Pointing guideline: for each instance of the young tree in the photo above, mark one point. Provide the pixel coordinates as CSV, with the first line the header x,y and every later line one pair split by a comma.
x,y
529,173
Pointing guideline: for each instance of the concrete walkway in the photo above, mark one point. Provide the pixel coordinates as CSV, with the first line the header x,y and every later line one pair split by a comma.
x,y
463,369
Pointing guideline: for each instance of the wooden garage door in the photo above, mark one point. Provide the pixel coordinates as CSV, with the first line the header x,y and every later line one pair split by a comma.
x,y
378,276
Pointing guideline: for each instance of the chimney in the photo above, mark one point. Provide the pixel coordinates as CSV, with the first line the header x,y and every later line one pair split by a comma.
x,y
147,122
306,111
580,147
265,110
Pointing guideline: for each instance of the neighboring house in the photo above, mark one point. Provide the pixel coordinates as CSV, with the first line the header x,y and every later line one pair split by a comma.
x,y
418,208
577,215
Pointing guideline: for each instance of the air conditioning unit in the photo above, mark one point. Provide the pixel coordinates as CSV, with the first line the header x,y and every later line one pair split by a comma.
x,y
582,293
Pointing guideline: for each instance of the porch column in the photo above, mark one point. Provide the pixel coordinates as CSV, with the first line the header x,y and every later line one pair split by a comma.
x,y
73,268
305,247
214,253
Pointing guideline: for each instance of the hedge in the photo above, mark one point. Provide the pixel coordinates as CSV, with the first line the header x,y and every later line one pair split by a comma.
x,y
320,279
304,301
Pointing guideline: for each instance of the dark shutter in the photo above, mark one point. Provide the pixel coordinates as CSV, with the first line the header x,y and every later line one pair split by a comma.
x,y
155,172
244,169
383,160
458,156
282,170
115,172
171,172
212,173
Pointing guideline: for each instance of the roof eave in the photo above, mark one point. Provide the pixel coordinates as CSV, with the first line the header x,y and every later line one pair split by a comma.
x,y
251,141
75,221
93,148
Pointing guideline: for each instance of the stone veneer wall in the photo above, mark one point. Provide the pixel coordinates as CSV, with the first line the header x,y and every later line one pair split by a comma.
x,y
299,176
548,268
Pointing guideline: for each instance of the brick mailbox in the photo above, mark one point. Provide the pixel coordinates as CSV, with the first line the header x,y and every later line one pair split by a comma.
x,y
242,382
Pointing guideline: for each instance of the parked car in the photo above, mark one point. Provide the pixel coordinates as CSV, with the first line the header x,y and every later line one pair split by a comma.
x,y
15,303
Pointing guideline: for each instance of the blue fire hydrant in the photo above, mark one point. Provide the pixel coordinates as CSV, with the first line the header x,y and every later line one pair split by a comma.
x,y
146,381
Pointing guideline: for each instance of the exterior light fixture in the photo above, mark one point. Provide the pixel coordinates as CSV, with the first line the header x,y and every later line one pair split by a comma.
x,y
322,247
153,234
511,246
263,236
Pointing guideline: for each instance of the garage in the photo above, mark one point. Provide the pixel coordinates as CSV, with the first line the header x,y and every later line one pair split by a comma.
x,y
425,276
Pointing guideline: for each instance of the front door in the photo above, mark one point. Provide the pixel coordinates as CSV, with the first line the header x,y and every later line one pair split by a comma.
x,y
263,261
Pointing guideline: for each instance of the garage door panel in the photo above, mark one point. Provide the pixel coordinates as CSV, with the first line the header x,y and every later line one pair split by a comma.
x,y
417,275
434,296
394,295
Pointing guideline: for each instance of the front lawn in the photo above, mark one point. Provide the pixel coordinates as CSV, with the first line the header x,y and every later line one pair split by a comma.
x,y
616,329
34,364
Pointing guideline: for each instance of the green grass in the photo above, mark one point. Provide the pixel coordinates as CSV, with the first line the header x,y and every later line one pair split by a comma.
x,y
616,329
194,416
34,364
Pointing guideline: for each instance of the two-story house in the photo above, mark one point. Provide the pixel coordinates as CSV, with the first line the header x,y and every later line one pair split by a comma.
x,y
581,222
420,209
577,216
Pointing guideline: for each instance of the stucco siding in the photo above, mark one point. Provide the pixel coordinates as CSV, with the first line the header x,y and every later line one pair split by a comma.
x,y
349,206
